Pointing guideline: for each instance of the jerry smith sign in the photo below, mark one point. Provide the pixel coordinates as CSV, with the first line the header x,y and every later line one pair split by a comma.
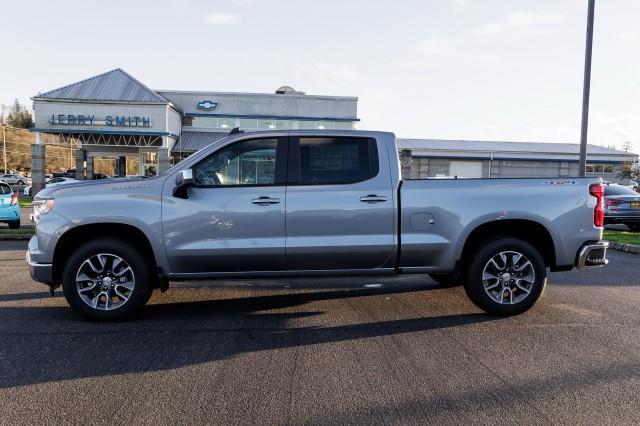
x,y
91,120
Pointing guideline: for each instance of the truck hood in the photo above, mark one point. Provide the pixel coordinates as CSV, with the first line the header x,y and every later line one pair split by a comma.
x,y
134,184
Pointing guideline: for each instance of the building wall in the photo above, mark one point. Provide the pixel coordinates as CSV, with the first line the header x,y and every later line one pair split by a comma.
x,y
249,104
44,109
424,167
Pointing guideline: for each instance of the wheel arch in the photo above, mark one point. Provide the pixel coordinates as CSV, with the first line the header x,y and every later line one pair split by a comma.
x,y
76,236
528,230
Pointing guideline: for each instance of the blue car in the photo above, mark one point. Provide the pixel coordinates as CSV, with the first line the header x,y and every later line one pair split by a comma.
x,y
9,206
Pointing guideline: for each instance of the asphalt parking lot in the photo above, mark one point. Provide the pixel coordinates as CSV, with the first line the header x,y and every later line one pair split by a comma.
x,y
396,350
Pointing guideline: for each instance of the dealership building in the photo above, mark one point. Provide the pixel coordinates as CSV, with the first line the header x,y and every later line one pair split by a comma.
x,y
115,116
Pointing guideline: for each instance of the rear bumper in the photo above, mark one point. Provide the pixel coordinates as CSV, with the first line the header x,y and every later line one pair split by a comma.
x,y
41,272
10,214
592,254
621,217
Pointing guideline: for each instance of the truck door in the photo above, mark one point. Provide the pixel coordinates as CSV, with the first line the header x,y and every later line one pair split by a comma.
x,y
233,219
340,204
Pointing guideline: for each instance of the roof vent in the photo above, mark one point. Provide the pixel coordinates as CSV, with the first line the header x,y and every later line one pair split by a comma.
x,y
288,90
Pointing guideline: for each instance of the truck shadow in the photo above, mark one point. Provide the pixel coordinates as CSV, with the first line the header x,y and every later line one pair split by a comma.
x,y
48,344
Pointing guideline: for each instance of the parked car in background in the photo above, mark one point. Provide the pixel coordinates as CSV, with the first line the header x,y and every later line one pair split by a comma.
x,y
621,205
15,179
70,173
9,206
53,182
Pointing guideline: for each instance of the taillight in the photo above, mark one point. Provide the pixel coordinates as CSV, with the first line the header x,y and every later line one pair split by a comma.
x,y
597,190
14,199
613,202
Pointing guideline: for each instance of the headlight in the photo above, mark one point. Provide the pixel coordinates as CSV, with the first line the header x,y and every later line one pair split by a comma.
x,y
42,205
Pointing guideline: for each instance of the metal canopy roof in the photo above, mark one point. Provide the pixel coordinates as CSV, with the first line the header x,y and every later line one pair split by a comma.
x,y
194,141
112,86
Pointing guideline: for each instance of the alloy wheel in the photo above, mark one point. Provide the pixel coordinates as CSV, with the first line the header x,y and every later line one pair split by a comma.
x,y
508,277
105,281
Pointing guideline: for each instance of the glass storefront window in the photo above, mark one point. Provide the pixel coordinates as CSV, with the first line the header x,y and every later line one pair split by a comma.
x,y
149,163
248,123
207,122
306,124
602,169
266,124
343,125
226,123
283,124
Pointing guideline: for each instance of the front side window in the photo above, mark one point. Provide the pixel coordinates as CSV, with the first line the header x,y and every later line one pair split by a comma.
x,y
335,160
251,162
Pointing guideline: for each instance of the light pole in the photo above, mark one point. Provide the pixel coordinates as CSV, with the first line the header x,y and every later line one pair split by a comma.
x,y
586,90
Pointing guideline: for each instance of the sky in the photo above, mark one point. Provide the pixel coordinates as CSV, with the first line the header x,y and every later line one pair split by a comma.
x,y
451,69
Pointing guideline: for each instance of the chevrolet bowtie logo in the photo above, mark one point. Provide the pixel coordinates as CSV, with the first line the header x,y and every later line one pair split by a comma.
x,y
207,105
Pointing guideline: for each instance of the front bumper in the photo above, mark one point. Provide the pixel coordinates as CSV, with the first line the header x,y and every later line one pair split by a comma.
x,y
42,272
592,254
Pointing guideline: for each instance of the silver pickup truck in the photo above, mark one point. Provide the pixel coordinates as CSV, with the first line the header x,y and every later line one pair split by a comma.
x,y
305,203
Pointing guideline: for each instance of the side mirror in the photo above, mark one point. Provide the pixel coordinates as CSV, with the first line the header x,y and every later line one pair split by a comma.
x,y
184,178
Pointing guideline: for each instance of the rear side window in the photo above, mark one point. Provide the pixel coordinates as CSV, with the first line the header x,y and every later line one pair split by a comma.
x,y
4,189
328,160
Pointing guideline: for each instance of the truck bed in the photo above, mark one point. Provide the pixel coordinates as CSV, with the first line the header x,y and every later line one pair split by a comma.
x,y
437,215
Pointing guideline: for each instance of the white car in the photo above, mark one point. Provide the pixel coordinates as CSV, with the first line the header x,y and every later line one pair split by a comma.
x,y
53,182
15,179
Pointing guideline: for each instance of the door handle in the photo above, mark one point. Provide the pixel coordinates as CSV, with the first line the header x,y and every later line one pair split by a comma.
x,y
265,201
372,198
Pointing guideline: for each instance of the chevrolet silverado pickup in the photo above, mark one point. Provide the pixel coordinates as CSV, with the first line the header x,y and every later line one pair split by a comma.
x,y
309,203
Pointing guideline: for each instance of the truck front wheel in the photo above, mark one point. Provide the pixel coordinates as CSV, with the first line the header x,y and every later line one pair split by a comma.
x,y
106,279
506,277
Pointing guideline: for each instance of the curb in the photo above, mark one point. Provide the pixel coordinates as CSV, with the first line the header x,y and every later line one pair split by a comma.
x,y
15,237
628,248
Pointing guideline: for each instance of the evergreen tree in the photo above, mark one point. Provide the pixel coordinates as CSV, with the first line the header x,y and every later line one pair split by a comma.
x,y
19,116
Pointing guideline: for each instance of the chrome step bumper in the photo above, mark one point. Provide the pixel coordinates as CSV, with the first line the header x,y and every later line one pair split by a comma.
x,y
592,255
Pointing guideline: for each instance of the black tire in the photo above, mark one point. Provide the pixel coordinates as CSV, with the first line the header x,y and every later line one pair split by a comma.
x,y
475,284
137,297
634,227
14,224
445,280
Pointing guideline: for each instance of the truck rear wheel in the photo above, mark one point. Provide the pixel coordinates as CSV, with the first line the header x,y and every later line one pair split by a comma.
x,y
106,279
506,277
